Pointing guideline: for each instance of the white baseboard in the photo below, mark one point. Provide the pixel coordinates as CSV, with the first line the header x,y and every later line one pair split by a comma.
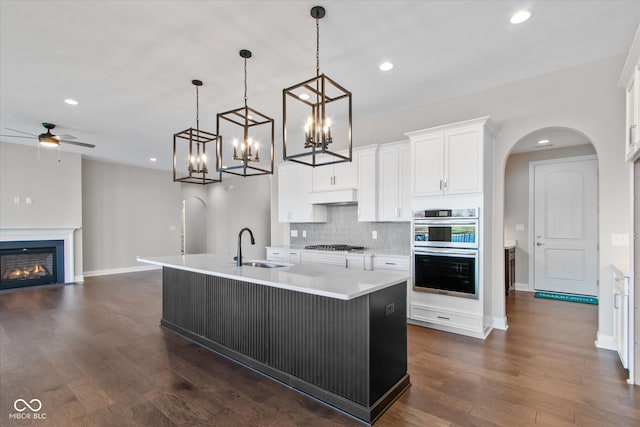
x,y
455,330
523,287
121,270
78,279
498,323
608,342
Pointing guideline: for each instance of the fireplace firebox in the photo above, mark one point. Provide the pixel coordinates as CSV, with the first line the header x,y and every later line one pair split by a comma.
x,y
31,263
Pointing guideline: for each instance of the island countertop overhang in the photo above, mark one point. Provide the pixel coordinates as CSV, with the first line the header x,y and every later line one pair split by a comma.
x,y
315,279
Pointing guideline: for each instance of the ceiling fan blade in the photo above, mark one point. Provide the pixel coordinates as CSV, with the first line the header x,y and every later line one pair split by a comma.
x,y
67,136
20,131
81,144
20,136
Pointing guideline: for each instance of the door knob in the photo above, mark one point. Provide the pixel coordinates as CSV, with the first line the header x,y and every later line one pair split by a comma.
x,y
539,244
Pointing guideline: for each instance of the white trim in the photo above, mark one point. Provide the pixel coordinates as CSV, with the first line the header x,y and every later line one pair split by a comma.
x,y
456,330
607,342
498,323
31,234
134,269
523,287
78,279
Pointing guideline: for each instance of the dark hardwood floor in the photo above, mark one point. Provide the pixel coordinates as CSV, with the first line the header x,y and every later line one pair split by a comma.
x,y
94,354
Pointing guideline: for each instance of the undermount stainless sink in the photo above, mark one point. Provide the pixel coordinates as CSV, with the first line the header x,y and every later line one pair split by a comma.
x,y
262,264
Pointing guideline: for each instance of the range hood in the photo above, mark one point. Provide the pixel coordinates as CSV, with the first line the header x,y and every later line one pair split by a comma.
x,y
348,196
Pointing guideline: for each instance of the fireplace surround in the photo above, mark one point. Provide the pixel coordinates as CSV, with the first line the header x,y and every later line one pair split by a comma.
x,y
66,234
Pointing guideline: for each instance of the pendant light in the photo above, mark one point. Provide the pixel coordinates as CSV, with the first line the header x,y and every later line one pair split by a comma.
x,y
250,133
195,170
308,131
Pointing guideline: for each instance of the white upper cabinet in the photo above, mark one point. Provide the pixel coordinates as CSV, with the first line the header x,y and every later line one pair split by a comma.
x,y
367,166
294,187
449,159
335,177
394,176
630,80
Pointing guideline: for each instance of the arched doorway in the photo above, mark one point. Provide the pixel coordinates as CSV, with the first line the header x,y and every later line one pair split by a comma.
x,y
550,148
194,225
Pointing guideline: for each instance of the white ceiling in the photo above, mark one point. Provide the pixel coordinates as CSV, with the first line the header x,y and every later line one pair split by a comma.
x,y
130,63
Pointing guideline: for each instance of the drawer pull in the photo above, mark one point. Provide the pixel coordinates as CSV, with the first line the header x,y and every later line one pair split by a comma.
x,y
443,318
390,263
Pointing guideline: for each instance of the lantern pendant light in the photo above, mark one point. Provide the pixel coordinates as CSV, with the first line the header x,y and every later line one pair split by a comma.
x,y
245,128
196,170
307,126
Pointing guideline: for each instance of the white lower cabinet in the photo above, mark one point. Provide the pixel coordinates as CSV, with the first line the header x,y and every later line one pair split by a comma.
x,y
360,261
447,318
621,315
291,256
324,258
394,263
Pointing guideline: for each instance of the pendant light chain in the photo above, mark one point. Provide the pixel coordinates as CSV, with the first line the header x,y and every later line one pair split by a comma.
x,y
197,109
317,47
245,83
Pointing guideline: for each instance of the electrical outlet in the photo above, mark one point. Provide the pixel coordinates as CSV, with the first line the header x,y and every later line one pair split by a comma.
x,y
172,228
294,233
28,200
304,233
16,200
374,234
519,227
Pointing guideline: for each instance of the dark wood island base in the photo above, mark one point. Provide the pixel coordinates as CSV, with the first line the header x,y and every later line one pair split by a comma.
x,y
350,354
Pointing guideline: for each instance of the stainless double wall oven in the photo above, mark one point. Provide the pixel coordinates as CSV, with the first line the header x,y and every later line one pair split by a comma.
x,y
445,246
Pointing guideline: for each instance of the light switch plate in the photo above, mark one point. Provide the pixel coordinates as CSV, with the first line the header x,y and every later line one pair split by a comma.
x,y
28,200
519,227
16,200
620,240
374,234
294,233
304,233
172,228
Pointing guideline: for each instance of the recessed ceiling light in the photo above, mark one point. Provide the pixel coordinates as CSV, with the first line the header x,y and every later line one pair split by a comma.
x,y
71,101
153,159
303,96
386,66
543,141
520,17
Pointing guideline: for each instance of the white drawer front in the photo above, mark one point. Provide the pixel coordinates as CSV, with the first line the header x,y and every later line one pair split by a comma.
x,y
277,255
391,263
324,258
445,317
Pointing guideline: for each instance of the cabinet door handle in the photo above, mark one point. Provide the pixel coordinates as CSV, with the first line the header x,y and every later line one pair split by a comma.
x,y
445,183
390,263
631,129
440,184
444,318
616,304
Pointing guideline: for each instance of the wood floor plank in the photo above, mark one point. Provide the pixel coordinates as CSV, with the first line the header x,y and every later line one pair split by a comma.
x,y
95,355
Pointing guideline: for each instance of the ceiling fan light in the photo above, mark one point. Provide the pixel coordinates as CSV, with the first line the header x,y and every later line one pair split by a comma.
x,y
48,140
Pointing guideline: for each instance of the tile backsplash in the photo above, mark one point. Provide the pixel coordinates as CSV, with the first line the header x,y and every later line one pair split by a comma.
x,y
342,227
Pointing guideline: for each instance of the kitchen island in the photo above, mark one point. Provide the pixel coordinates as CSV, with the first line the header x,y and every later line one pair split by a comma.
x,y
335,334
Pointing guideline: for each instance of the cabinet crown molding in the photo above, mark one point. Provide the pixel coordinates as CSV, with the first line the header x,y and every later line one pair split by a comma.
x,y
485,121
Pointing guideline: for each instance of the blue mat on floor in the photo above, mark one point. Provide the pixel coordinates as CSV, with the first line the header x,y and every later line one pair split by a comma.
x,y
567,297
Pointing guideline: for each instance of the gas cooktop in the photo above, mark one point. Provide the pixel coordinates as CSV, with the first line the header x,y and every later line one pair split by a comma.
x,y
335,247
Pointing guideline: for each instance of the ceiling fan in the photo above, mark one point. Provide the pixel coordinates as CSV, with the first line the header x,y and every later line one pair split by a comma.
x,y
48,139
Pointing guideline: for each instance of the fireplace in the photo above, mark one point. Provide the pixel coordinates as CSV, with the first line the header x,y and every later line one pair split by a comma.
x,y
30,263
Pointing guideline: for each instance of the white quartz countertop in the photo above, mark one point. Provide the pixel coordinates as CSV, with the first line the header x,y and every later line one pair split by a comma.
x,y
368,252
317,279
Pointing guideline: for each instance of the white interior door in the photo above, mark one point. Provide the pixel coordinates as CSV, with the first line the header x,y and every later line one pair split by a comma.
x,y
566,227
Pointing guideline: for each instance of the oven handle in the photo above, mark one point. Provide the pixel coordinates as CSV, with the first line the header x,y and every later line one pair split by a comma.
x,y
445,222
465,253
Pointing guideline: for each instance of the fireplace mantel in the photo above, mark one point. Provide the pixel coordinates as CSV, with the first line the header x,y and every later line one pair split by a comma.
x,y
62,233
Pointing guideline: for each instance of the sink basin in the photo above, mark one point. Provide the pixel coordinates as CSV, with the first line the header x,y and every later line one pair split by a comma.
x,y
263,264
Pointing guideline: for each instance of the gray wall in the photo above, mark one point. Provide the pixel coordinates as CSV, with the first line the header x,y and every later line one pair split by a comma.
x,y
342,227
128,211
52,180
54,187
516,199
237,203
